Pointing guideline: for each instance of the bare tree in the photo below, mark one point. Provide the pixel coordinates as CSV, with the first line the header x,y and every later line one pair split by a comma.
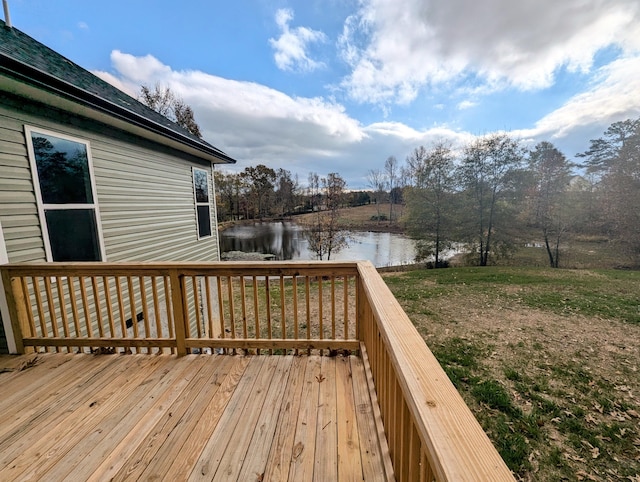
x,y
392,171
486,174
164,101
430,202
324,234
550,173
376,181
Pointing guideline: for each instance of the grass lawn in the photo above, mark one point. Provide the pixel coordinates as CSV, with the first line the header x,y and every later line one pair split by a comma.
x,y
547,359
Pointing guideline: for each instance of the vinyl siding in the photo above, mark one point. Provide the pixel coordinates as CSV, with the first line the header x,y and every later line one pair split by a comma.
x,y
144,190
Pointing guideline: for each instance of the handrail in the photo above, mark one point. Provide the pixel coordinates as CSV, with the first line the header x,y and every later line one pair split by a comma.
x,y
431,432
184,306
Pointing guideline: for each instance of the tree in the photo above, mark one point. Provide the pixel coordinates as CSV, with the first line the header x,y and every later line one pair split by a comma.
x,y
164,101
286,192
615,160
487,173
430,210
392,171
324,234
376,181
550,175
261,181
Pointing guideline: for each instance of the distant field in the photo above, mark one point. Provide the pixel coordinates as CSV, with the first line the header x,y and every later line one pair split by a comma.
x,y
548,360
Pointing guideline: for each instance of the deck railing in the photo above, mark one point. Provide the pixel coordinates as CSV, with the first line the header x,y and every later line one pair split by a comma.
x,y
263,308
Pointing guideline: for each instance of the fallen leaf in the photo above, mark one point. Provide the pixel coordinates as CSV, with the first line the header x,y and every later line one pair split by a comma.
x,y
595,452
320,378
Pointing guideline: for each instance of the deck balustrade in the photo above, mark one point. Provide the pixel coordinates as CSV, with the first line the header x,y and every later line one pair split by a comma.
x,y
263,308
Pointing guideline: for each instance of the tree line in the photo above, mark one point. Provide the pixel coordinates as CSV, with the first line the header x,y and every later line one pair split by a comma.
x,y
260,192
494,194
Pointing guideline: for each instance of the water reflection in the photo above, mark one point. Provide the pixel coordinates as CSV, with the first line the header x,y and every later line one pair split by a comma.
x,y
287,242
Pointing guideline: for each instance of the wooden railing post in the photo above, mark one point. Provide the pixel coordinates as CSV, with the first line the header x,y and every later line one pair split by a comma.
x,y
177,302
15,304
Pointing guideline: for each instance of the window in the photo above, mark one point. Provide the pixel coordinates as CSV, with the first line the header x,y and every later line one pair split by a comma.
x,y
63,180
203,206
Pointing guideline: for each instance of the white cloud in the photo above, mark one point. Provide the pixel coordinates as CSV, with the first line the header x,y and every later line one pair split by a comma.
x,y
466,104
396,47
613,96
291,48
83,25
259,125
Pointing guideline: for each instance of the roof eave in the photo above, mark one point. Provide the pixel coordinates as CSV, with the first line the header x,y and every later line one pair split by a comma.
x,y
37,85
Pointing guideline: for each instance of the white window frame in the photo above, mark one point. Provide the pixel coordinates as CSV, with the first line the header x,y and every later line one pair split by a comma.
x,y
29,130
196,203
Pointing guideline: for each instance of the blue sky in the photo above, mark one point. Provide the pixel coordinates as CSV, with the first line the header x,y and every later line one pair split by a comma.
x,y
340,85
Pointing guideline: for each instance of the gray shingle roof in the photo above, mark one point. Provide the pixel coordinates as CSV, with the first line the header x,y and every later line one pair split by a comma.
x,y
28,60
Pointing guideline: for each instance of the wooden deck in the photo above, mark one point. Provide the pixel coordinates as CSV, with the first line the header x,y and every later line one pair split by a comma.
x,y
197,417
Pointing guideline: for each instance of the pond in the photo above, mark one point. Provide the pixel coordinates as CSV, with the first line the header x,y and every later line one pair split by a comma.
x,y
286,241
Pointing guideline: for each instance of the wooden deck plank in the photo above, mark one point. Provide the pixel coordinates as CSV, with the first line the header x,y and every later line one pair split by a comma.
x,y
71,430
349,460
370,451
222,417
326,455
259,411
178,461
150,397
277,467
207,464
130,459
49,412
254,466
302,457
36,384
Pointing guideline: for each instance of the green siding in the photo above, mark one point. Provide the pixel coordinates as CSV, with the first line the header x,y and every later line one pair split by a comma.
x,y
144,191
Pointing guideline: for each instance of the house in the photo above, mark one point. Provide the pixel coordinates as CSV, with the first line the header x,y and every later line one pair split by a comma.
x,y
87,173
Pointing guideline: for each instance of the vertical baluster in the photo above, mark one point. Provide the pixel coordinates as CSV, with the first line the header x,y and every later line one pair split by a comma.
x,y
256,311
320,312
294,283
207,288
63,310
345,295
185,307
171,320
283,308
232,317
307,289
74,307
221,309
156,311
267,294
123,325
29,308
196,302
85,305
107,297
40,308
133,310
145,309
52,310
96,304
243,296
333,307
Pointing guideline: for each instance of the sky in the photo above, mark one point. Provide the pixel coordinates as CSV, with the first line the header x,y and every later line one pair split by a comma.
x,y
340,85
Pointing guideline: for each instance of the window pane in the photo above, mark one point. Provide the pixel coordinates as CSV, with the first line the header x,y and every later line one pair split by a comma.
x,y
63,170
73,234
204,221
201,184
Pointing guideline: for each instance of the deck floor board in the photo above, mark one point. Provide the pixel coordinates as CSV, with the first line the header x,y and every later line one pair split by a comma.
x,y
199,417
